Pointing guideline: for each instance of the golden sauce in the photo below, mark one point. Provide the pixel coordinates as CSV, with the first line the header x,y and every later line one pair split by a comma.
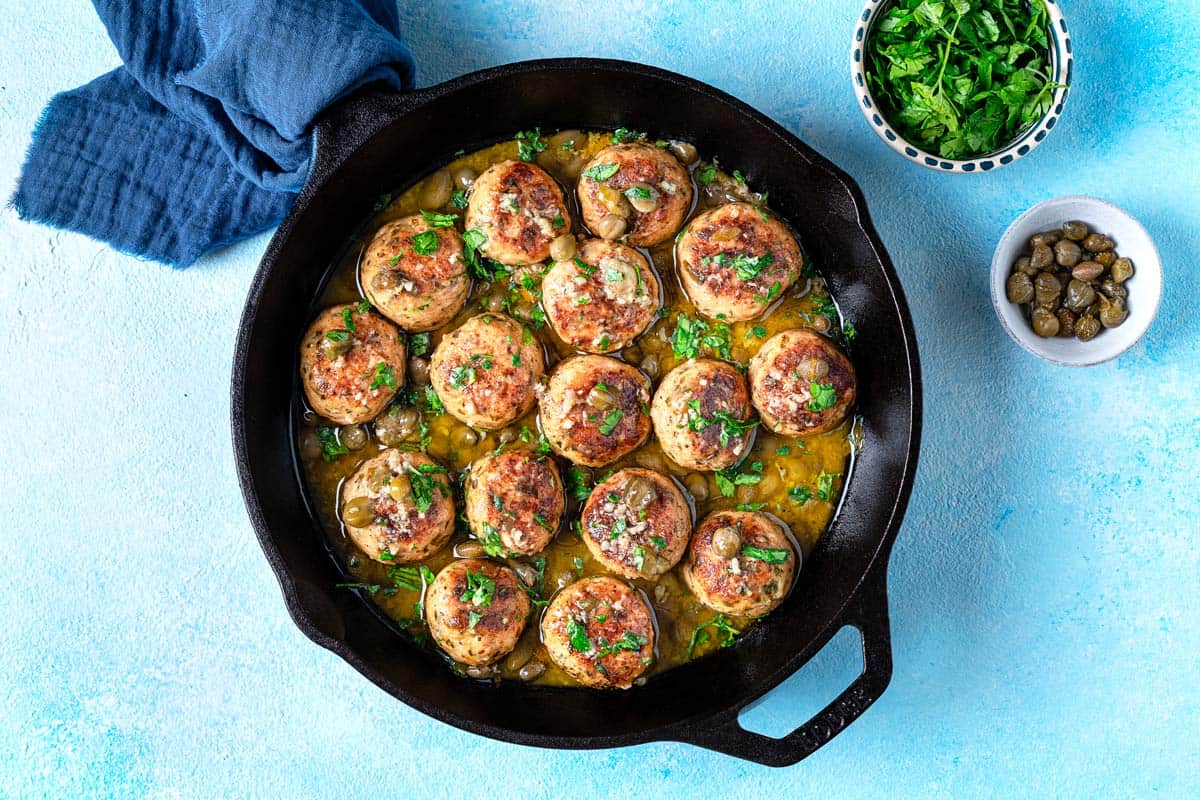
x,y
815,466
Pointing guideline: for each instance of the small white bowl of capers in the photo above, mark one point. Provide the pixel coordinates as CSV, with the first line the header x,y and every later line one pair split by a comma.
x,y
1076,281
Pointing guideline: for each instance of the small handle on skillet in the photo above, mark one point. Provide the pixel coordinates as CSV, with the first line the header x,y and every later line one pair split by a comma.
x,y
868,613
350,122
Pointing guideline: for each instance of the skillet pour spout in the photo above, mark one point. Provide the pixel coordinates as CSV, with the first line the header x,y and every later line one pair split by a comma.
x,y
374,143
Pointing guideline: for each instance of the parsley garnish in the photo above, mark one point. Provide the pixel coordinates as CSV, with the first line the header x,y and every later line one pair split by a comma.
x,y
383,375
799,494
461,376
602,172
619,527
435,220
331,447
458,198
577,634
579,483
405,577
370,587
729,479
825,484
771,294
639,558
705,175
623,135
611,420
493,545
692,335
771,555
629,641
529,144
418,344
723,628
433,404
423,486
473,619
823,396
750,506
731,426
348,319
480,590
425,243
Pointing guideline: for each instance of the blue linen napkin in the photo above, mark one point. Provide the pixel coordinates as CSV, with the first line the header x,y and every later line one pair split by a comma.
x,y
204,136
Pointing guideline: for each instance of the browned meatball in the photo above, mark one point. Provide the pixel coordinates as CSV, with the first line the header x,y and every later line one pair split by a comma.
x,y
701,415
351,364
599,630
641,183
486,370
801,383
594,409
516,498
420,284
636,523
397,507
735,260
603,299
520,209
476,610
740,563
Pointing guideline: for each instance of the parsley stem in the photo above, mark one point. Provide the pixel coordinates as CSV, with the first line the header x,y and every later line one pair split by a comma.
x,y
950,42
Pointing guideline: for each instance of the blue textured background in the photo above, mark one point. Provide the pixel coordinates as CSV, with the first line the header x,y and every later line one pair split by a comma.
x,y
1045,589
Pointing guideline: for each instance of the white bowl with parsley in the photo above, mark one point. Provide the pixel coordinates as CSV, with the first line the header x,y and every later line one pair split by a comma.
x,y
962,86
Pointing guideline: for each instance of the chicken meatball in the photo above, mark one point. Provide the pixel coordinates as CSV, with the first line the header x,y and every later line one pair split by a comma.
x,y
414,274
740,563
735,260
476,610
398,507
516,497
602,299
520,209
595,409
637,190
801,383
701,415
636,523
600,632
485,371
351,364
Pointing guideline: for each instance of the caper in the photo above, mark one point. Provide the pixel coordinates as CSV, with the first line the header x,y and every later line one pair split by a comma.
x,y
508,435
481,673
564,579
469,549
697,486
1098,242
464,177
359,512
1042,257
310,445
418,371
611,226
385,280
639,492
643,197
435,192
1086,328
1024,264
1047,289
650,366
396,426
1045,323
1087,270
1122,270
526,572
466,438
1075,230
1019,288
399,488
353,436
1067,253
378,477
563,247
531,671
1080,295
684,151
601,397
1066,322
1106,258
1045,237
1113,290
727,541
1112,313
335,348
820,323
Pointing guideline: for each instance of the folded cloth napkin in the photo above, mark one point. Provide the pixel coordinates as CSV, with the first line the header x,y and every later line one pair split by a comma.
x,y
204,136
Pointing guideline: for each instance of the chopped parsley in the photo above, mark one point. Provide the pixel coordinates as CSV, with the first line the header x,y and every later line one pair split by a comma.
x,y
348,320
729,479
624,135
629,641
480,590
370,587
705,175
731,426
750,506
435,220
849,332
337,336
659,543
418,344
692,335
825,484
577,634
823,396
425,243
462,376
432,403
721,626
758,331
458,199
579,483
799,494
639,557
424,486
491,541
602,172
405,578
783,450
619,527
472,241
529,144
585,269
771,294
383,375
473,619
331,447
771,555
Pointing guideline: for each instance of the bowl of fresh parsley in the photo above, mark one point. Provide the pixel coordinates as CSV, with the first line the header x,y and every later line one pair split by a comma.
x,y
962,85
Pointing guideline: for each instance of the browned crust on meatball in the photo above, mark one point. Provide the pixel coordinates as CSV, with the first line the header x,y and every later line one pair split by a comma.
x,y
639,163
608,612
485,371
690,397
473,632
706,252
422,292
576,427
782,394
742,586
515,205
636,543
401,533
517,495
621,291
341,389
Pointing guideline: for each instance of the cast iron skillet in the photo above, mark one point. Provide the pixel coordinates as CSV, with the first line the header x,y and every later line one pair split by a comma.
x,y
377,143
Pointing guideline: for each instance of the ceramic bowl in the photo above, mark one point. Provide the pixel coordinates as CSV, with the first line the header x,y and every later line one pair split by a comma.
x,y
1133,242
1062,68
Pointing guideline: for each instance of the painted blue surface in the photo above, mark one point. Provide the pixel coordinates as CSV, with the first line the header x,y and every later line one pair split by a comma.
x,y
1044,588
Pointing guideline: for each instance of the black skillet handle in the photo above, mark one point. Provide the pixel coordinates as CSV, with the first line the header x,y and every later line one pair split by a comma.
x,y
350,122
869,614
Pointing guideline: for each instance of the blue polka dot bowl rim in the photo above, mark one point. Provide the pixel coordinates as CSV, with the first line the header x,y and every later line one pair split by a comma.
x,y
1062,64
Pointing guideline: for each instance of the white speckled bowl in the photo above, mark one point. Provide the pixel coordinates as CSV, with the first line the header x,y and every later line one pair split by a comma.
x,y
1133,242
1061,63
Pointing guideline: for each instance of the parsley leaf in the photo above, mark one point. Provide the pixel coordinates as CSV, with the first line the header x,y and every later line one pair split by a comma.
x,y
577,634
623,135
721,625
729,479
435,220
611,420
480,590
425,243
602,172
579,483
418,344
458,198
771,555
383,375
825,484
824,396
529,144
331,446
